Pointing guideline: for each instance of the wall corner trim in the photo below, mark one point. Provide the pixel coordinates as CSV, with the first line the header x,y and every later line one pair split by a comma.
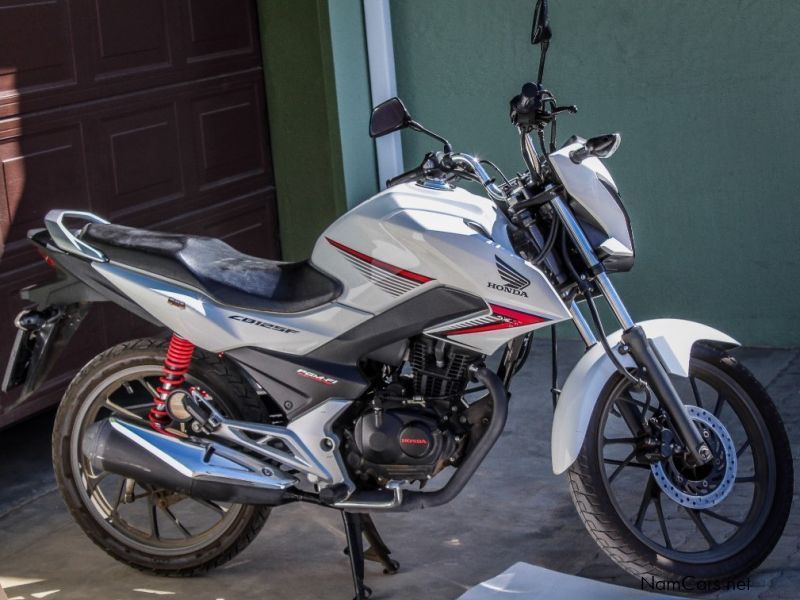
x,y
383,84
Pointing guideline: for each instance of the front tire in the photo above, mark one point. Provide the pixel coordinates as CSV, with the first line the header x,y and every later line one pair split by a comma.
x,y
150,529
660,538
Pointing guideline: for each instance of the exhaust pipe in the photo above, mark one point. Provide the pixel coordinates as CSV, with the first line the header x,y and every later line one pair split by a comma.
x,y
208,471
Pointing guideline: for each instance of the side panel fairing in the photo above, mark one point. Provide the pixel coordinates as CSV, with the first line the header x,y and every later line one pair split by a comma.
x,y
299,382
219,328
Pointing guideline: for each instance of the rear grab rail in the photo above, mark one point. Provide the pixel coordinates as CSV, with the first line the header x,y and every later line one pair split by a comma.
x,y
67,241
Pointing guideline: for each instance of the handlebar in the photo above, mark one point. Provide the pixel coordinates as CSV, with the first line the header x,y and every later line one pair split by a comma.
x,y
482,176
433,165
531,111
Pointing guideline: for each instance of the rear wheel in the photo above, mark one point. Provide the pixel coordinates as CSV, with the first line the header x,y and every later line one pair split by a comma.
x,y
655,514
144,526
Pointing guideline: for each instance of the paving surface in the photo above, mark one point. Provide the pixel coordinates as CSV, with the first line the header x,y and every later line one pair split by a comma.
x,y
513,510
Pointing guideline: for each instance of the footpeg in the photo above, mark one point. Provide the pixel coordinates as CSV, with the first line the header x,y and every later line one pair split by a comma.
x,y
198,405
334,494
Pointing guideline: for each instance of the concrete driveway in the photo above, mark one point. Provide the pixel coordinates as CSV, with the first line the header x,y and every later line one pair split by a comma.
x,y
514,510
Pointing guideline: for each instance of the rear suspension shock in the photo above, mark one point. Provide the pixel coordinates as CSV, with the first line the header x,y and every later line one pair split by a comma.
x,y
176,365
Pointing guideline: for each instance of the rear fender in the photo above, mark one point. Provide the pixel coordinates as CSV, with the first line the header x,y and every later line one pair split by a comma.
x,y
60,305
673,338
41,337
43,330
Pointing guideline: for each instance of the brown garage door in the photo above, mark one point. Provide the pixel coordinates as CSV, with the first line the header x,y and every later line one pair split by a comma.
x,y
150,113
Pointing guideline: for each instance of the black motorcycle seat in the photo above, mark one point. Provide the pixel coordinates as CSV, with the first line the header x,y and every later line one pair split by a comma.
x,y
214,267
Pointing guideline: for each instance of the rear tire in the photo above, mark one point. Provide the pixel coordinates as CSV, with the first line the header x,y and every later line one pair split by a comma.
x,y
238,524
659,558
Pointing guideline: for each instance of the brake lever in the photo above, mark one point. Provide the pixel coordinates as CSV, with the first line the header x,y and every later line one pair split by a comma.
x,y
571,109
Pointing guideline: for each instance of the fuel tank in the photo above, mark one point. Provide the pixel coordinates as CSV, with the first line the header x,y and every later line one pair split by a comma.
x,y
410,238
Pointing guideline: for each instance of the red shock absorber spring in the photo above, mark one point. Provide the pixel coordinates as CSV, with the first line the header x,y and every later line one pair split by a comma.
x,y
176,365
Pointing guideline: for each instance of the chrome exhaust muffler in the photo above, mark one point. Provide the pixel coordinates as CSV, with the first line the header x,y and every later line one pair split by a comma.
x,y
208,471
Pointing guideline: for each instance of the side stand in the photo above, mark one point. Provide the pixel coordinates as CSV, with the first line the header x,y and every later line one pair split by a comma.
x,y
357,525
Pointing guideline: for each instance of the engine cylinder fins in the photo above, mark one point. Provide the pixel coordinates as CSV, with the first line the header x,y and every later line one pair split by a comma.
x,y
439,369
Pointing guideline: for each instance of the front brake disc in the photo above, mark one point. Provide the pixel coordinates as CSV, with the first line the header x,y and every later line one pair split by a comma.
x,y
689,492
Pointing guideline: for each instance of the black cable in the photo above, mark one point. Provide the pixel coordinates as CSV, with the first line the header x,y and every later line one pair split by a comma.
x,y
522,359
486,161
524,149
540,135
548,244
599,324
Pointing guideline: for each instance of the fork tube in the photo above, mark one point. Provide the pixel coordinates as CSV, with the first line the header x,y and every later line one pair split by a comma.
x,y
530,155
575,232
581,325
587,252
614,301
643,352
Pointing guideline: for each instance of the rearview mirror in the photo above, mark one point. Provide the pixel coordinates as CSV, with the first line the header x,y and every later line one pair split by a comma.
x,y
604,146
387,117
540,30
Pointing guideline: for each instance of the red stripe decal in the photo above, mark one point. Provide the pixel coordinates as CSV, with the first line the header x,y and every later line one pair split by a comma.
x,y
410,275
520,318
511,318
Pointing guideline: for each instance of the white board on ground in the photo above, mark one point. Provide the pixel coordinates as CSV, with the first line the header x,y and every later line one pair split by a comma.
x,y
522,581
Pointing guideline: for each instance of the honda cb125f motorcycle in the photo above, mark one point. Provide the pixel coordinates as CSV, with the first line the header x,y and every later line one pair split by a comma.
x,y
353,379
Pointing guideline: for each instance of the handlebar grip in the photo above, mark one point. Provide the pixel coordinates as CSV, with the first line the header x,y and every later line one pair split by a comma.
x,y
531,89
528,97
526,105
412,175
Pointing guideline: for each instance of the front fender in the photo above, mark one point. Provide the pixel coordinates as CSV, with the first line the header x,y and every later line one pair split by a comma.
x,y
673,338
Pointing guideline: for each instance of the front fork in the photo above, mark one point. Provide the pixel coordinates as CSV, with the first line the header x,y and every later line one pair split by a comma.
x,y
634,341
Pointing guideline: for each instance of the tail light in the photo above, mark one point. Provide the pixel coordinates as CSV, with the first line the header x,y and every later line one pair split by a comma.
x,y
47,258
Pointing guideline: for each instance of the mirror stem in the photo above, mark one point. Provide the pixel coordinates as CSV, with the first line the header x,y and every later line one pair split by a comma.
x,y
448,149
542,58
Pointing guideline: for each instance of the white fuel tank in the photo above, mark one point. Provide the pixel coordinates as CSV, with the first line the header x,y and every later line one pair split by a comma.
x,y
410,238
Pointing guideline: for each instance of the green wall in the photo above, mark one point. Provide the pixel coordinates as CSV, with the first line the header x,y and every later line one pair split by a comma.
x,y
353,99
318,103
706,97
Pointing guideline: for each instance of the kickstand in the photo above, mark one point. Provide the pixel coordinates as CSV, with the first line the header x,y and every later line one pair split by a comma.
x,y
356,525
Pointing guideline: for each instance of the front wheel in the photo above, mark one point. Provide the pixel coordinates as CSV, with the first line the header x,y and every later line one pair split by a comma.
x,y
657,515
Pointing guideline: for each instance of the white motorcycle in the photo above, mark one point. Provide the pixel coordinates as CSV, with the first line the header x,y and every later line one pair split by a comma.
x,y
345,380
